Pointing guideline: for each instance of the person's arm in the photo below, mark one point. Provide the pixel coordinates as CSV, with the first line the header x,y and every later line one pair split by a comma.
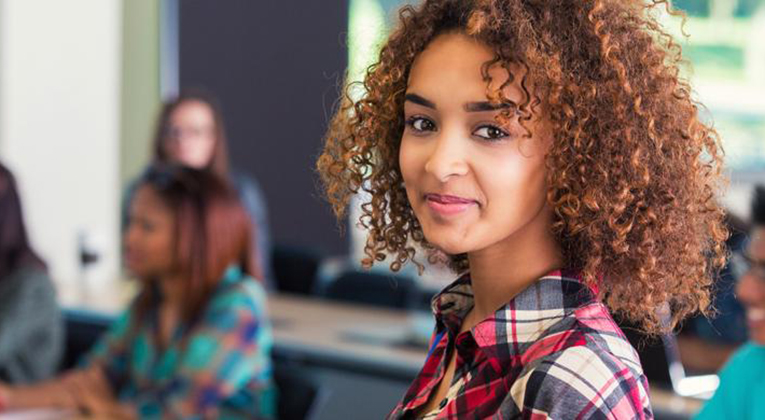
x,y
28,307
84,389
52,394
88,388
224,352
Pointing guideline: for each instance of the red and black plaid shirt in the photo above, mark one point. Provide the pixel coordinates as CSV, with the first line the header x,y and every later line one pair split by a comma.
x,y
551,352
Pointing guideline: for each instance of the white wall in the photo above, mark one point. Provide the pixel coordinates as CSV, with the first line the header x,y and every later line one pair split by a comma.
x,y
59,125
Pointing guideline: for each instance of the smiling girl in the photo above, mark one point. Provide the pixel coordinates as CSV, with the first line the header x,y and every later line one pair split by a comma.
x,y
551,151
742,380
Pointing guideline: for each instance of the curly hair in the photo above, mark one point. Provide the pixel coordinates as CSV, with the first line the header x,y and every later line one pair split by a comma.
x,y
633,174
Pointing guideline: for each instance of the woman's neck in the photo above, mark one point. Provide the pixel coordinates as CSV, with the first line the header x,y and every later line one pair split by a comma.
x,y
503,270
171,288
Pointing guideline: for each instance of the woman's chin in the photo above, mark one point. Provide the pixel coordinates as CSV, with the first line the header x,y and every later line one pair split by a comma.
x,y
450,246
757,337
136,271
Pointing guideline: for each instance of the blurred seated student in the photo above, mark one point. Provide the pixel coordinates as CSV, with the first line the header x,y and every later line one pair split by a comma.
x,y
741,394
196,340
190,131
31,330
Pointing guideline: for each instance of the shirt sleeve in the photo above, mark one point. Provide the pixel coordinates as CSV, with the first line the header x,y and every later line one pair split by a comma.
x,y
580,383
225,351
31,329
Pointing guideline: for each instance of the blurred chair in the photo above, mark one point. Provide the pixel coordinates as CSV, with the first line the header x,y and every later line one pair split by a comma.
x,y
295,268
374,289
82,329
300,396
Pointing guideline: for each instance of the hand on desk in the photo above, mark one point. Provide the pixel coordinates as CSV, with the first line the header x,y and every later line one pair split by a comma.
x,y
84,390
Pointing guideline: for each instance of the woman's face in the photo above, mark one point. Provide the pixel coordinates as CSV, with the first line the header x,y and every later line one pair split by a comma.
x,y
149,237
750,289
471,182
190,139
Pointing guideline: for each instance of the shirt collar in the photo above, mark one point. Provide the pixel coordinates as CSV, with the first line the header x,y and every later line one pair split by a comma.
x,y
520,322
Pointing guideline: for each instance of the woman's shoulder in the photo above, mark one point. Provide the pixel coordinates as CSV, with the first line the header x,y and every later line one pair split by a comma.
x,y
27,278
245,184
602,334
590,344
749,352
594,382
238,290
588,359
747,361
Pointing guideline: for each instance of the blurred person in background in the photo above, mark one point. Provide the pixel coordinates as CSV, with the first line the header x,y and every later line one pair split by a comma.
x,y
741,394
191,131
31,328
196,341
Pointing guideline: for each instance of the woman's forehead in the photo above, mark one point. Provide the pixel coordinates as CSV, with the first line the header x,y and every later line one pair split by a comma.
x,y
146,198
452,68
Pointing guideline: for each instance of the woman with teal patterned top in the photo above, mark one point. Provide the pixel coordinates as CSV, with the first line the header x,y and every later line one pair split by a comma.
x,y
196,341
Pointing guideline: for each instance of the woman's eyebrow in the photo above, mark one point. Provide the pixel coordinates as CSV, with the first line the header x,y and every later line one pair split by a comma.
x,y
419,100
485,106
482,106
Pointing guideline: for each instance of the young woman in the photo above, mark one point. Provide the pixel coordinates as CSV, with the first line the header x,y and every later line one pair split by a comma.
x,y
31,331
190,131
742,380
196,340
551,151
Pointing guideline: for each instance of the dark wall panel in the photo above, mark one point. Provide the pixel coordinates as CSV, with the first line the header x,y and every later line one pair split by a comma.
x,y
276,66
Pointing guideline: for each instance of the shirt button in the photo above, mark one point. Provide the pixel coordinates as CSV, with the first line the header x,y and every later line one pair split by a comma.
x,y
443,403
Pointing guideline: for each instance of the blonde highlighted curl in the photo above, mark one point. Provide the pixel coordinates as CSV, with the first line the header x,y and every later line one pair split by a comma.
x,y
633,174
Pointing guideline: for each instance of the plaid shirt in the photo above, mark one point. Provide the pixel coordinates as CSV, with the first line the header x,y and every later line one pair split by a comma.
x,y
219,368
552,352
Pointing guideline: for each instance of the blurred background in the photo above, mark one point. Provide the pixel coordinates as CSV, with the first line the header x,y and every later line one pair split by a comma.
x,y
82,81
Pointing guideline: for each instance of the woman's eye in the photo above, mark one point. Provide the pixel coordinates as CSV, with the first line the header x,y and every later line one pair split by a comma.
x,y
421,124
490,132
148,226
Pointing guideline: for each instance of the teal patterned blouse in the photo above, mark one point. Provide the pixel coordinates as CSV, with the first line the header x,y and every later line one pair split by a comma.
x,y
220,368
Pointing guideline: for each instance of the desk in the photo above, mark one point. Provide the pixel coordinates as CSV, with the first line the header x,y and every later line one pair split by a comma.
x,y
376,342
42,414
360,351
356,337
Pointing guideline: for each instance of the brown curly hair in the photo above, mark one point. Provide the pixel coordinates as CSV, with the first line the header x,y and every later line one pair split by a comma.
x,y
633,173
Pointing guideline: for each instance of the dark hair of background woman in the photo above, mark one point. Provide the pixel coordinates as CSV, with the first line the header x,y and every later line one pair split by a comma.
x,y
15,250
212,232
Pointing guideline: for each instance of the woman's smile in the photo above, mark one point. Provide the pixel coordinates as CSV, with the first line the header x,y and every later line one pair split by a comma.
x,y
447,206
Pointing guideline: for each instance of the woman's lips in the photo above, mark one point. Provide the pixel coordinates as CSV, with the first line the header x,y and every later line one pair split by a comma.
x,y
132,258
448,205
